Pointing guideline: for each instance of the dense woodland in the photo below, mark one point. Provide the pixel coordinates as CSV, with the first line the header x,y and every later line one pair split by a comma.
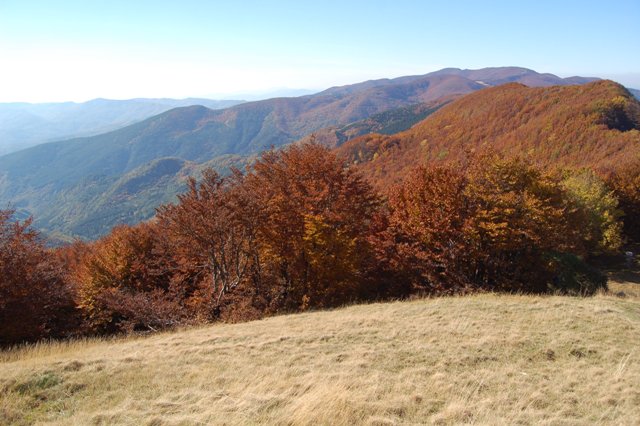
x,y
595,125
510,189
300,230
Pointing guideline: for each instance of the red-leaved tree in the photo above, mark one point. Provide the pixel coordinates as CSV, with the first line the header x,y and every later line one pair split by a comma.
x,y
35,300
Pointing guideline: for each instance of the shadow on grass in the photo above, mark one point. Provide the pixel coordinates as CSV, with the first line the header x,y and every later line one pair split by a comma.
x,y
623,265
626,275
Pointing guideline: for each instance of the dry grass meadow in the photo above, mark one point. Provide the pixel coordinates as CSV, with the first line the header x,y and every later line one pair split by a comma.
x,y
484,359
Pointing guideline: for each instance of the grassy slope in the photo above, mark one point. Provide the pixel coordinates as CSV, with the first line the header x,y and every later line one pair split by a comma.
x,y
480,359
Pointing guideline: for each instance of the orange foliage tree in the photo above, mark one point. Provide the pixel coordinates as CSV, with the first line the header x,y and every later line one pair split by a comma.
x,y
494,224
520,216
124,282
314,227
290,234
212,234
427,231
626,185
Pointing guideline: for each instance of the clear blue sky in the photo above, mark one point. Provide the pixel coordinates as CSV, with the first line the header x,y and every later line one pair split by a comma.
x,y
78,50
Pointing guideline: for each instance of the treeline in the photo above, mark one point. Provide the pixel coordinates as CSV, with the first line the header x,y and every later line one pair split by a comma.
x,y
300,231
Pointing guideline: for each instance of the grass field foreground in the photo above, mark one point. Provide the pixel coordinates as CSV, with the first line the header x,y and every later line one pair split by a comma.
x,y
484,359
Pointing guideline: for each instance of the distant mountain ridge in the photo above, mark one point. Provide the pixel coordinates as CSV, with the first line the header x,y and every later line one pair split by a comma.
x,y
24,124
503,75
386,123
47,179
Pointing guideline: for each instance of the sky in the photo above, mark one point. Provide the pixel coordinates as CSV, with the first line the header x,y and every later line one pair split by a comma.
x,y
67,50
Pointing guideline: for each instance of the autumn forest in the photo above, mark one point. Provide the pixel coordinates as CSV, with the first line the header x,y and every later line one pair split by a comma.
x,y
301,229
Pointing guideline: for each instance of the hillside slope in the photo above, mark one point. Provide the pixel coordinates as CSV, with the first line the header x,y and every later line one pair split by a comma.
x,y
596,125
23,125
387,123
53,182
475,360
92,205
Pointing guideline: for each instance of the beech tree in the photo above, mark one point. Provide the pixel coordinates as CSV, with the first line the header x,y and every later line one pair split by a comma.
x,y
495,224
427,235
124,282
314,227
212,230
290,234
626,185
35,300
601,229
520,216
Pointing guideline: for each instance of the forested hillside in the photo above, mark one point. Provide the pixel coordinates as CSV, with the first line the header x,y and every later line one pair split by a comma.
x,y
73,188
386,123
23,125
298,230
593,125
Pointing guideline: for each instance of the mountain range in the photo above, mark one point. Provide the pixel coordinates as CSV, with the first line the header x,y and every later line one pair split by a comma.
x,y
84,186
23,124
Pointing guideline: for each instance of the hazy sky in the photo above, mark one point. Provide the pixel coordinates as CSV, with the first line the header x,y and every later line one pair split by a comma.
x,y
78,50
